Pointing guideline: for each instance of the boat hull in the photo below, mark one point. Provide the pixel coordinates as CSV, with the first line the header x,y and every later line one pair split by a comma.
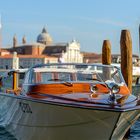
x,y
33,120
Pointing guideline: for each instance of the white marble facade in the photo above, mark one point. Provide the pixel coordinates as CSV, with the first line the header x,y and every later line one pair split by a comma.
x,y
72,54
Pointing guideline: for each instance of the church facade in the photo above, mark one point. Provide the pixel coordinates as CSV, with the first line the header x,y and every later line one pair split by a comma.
x,y
44,50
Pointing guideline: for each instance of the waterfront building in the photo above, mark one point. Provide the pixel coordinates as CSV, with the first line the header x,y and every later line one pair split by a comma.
x,y
25,61
44,50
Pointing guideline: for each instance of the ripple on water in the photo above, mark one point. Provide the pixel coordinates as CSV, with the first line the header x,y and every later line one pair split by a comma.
x,y
5,135
135,131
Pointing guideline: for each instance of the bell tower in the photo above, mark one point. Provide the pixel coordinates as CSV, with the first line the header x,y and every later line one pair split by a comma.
x,y
14,41
24,40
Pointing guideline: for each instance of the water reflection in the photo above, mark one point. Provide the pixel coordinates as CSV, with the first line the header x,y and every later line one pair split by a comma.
x,y
135,131
5,135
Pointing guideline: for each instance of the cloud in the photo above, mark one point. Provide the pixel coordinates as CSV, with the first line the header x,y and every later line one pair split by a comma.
x,y
109,22
103,21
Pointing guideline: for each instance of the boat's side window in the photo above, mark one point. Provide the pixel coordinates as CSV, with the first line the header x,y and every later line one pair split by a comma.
x,y
45,76
64,76
83,77
41,77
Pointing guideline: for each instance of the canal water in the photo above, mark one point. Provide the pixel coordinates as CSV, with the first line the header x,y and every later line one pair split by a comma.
x,y
135,131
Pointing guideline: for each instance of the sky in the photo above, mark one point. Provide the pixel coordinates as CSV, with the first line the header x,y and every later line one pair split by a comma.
x,y
90,22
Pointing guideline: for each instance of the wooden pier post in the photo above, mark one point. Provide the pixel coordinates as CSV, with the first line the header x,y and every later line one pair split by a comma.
x,y
126,62
106,53
15,84
106,58
126,57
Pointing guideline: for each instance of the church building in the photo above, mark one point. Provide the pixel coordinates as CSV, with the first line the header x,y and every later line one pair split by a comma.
x,y
44,50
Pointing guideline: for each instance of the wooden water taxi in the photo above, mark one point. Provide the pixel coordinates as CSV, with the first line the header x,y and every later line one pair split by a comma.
x,y
69,101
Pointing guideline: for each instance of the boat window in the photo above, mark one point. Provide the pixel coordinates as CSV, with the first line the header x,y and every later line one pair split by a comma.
x,y
78,72
64,76
41,77
46,76
83,77
116,77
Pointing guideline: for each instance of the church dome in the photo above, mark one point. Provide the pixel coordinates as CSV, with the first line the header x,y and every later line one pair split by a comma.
x,y
44,37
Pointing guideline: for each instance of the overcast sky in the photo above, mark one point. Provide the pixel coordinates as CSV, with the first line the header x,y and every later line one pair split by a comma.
x,y
88,21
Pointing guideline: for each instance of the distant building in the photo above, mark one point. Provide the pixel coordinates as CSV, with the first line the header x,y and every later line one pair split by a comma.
x,y
89,57
25,61
116,58
42,51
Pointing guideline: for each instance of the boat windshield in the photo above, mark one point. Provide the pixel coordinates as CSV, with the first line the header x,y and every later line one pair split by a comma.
x,y
73,73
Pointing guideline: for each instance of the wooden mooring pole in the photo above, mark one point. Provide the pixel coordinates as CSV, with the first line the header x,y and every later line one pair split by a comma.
x,y
126,61
106,58
126,57
106,53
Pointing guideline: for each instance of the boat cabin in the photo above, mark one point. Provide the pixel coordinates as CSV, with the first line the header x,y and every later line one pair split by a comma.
x,y
74,81
72,78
